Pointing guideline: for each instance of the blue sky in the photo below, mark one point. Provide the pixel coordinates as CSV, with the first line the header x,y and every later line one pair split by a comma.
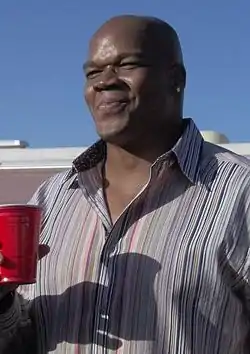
x,y
43,45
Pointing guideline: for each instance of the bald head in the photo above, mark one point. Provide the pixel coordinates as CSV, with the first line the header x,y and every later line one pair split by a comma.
x,y
155,35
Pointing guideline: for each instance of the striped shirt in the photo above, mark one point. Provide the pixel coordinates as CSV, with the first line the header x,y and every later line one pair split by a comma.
x,y
170,276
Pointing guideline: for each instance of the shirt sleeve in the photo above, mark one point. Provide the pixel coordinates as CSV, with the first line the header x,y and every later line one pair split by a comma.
x,y
16,327
17,324
10,319
246,282
243,247
17,332
234,251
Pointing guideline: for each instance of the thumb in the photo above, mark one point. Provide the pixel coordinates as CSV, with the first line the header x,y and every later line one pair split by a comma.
x,y
43,250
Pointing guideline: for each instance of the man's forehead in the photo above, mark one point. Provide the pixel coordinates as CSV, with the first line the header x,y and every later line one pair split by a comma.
x,y
102,47
125,27
116,43
121,35
126,36
131,34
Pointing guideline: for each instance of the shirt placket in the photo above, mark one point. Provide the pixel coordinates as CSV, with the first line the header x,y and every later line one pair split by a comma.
x,y
107,267
103,297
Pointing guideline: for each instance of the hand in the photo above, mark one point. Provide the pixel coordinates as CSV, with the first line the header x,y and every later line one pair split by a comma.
x,y
43,250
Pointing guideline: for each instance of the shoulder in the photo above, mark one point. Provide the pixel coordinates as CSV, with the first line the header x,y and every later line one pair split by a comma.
x,y
226,163
225,156
51,188
228,174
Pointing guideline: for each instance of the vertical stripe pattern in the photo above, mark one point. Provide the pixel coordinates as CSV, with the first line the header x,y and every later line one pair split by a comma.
x,y
171,276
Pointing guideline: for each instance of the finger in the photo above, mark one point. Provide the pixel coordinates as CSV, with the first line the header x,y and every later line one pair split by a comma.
x,y
43,250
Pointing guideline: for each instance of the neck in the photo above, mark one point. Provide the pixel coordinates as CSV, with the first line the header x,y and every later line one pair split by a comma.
x,y
126,162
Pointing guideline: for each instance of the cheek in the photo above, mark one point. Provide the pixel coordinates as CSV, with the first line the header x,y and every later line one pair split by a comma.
x,y
144,84
136,80
89,96
154,89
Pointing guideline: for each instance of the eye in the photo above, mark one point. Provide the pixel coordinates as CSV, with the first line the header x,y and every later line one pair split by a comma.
x,y
91,74
131,65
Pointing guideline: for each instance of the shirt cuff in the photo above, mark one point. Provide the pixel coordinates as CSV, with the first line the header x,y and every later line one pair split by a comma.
x,y
10,319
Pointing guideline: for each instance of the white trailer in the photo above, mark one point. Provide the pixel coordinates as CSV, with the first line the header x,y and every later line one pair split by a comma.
x,y
23,169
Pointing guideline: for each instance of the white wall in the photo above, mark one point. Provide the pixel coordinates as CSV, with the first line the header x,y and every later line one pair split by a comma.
x,y
18,185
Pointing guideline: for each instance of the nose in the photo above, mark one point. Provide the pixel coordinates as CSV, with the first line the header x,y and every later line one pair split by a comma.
x,y
109,79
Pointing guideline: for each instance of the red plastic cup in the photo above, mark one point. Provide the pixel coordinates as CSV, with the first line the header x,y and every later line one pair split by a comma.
x,y
19,240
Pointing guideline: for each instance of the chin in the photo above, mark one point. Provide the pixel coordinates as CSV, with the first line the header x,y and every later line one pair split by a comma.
x,y
111,137
115,136
112,129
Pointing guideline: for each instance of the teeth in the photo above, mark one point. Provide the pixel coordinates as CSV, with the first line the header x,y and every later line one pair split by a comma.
x,y
111,104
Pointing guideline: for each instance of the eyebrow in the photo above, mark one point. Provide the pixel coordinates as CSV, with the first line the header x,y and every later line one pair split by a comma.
x,y
88,64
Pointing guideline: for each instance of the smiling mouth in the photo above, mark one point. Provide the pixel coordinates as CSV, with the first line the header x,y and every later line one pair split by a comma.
x,y
114,106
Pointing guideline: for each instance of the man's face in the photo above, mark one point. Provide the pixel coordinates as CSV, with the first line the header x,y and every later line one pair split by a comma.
x,y
123,82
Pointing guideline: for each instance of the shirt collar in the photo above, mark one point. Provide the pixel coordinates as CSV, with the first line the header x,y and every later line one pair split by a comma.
x,y
187,151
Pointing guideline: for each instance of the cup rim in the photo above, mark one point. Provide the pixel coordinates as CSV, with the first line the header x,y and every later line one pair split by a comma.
x,y
20,205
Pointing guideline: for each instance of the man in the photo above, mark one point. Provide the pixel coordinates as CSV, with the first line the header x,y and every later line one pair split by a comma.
x,y
149,230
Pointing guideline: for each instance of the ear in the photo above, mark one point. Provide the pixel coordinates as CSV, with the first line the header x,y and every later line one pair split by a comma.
x,y
178,77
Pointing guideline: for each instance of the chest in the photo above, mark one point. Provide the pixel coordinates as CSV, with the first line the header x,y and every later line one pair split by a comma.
x,y
141,279
174,229
118,198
